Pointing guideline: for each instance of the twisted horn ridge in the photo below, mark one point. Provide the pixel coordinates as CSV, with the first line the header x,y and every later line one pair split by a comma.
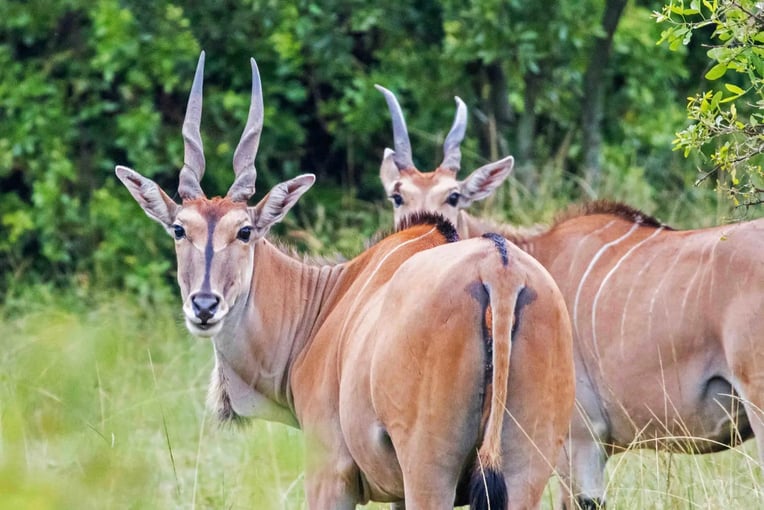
x,y
402,156
193,149
452,155
244,156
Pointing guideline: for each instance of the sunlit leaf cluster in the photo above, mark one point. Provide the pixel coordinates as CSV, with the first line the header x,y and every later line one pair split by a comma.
x,y
726,121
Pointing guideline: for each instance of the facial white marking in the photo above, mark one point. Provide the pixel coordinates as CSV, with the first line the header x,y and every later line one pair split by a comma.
x,y
596,257
226,229
205,332
428,196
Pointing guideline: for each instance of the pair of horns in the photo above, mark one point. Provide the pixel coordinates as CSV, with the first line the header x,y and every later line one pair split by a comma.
x,y
452,155
191,174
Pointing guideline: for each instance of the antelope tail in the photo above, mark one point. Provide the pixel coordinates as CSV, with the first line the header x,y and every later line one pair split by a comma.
x,y
488,489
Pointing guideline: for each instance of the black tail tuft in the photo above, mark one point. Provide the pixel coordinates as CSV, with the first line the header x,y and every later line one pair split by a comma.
x,y
488,490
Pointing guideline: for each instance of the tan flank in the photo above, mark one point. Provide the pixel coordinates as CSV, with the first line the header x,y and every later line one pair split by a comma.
x,y
396,364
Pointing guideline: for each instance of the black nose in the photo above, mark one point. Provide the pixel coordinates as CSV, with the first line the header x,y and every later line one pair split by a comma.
x,y
205,305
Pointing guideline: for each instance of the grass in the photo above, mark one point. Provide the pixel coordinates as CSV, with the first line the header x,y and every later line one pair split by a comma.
x,y
102,406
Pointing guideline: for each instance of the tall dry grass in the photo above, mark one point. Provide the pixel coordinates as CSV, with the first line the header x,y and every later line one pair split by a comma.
x,y
101,406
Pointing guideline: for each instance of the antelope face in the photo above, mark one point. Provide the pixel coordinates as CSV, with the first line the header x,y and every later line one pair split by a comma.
x,y
214,243
215,238
438,191
214,247
411,191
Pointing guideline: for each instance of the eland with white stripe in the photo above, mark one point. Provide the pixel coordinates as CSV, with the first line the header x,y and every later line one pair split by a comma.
x,y
667,324
396,364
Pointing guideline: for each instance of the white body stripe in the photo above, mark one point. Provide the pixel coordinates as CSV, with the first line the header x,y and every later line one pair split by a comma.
x,y
605,280
596,257
376,269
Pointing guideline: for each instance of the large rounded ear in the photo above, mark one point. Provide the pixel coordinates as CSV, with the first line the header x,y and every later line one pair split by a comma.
x,y
483,182
154,202
388,171
274,206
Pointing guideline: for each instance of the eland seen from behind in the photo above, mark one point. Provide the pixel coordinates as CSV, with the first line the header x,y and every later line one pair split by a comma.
x,y
667,324
395,364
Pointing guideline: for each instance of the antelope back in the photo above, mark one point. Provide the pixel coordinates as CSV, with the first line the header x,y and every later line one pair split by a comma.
x,y
215,238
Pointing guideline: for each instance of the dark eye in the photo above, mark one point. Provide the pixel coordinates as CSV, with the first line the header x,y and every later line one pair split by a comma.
x,y
244,234
397,199
453,199
179,232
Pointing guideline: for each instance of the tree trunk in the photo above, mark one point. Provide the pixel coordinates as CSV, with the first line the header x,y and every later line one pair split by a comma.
x,y
499,107
594,92
526,131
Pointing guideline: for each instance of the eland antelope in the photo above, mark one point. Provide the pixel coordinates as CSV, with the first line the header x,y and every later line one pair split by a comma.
x,y
395,364
667,324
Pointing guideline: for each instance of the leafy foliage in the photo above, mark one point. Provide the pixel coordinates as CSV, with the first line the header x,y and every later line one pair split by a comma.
x,y
727,124
87,85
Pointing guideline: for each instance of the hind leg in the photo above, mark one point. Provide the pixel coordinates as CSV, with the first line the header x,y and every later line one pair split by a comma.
x,y
752,396
756,416
742,343
582,463
331,479
539,405
429,477
432,446
432,459
582,476
751,391
529,455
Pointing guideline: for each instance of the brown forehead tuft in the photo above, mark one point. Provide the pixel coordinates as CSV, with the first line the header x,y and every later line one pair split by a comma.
x,y
214,208
426,178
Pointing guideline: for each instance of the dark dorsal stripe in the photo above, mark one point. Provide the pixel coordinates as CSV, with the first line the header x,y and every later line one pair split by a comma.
x,y
618,209
501,246
445,227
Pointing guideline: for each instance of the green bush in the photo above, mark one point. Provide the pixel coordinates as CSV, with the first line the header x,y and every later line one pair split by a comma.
x,y
87,85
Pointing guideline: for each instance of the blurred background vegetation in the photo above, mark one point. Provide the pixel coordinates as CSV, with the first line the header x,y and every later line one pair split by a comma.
x,y
578,91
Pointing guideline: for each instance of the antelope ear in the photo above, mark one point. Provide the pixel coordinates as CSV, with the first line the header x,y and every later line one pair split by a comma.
x,y
388,171
483,182
274,206
154,202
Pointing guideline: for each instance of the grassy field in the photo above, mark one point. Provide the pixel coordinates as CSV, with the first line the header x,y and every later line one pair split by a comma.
x,y
102,406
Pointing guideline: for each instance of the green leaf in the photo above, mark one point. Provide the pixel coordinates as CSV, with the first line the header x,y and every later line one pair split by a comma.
x,y
716,72
734,89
